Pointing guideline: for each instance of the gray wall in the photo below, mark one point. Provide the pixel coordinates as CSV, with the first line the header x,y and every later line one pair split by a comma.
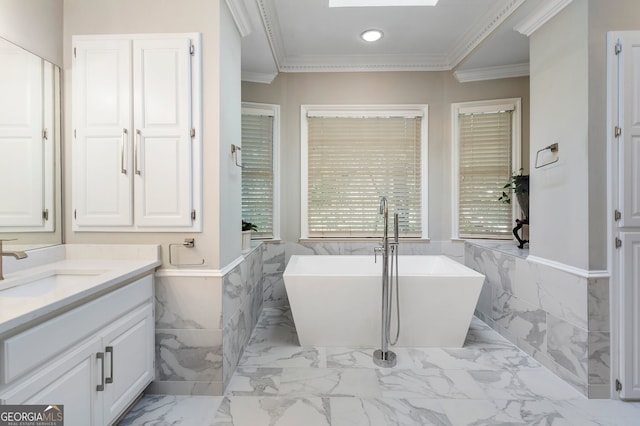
x,y
438,89
35,25
568,105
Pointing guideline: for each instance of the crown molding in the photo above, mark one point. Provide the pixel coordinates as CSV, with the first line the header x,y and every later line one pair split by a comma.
x,y
258,77
540,16
240,16
272,29
364,63
492,73
477,35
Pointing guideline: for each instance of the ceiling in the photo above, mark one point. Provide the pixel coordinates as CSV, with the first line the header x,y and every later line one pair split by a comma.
x,y
475,38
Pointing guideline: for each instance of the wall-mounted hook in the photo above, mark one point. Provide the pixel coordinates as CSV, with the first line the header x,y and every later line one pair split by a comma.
x,y
234,152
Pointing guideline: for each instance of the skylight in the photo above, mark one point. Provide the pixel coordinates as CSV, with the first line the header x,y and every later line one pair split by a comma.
x,y
366,3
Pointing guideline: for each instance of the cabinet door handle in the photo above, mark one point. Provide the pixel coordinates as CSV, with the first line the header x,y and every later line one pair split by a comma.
x,y
136,152
109,350
123,169
100,387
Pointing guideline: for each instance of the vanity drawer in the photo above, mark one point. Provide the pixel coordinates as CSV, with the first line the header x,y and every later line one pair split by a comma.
x,y
36,346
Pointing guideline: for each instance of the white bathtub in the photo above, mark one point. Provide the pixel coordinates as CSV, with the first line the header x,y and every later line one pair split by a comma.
x,y
336,300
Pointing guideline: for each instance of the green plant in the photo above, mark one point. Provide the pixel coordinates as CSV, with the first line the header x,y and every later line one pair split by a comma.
x,y
248,226
517,185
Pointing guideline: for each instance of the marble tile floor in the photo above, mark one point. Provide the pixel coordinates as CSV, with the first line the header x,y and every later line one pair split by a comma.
x,y
487,382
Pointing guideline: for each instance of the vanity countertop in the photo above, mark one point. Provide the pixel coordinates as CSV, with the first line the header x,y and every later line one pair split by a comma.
x,y
68,277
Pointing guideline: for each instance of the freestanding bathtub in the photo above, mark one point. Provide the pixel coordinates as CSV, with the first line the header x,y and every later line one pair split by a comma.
x,y
336,300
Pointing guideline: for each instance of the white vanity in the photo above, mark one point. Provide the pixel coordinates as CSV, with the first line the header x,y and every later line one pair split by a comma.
x,y
77,329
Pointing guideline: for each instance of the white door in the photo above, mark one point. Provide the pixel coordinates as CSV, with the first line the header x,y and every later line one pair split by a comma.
x,y
21,143
625,114
162,123
129,354
102,194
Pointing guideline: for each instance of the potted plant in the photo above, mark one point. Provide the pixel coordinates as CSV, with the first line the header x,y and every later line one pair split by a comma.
x,y
518,185
247,227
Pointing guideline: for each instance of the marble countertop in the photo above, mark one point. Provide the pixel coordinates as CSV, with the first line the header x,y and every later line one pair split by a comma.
x,y
31,293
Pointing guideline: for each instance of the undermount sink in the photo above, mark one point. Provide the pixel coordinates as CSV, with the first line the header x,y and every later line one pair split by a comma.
x,y
44,282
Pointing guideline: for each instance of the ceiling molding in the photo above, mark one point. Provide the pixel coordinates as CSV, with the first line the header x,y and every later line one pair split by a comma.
x,y
258,77
540,16
364,63
272,29
475,36
240,16
492,73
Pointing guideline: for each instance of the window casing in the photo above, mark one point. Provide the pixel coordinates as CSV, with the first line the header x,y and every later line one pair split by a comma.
x,y
486,153
260,176
353,155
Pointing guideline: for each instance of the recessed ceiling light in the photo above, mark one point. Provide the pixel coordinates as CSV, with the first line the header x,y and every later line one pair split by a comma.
x,y
371,35
365,3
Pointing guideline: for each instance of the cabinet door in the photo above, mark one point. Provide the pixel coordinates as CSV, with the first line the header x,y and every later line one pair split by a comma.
x,y
102,194
129,355
70,381
162,123
21,147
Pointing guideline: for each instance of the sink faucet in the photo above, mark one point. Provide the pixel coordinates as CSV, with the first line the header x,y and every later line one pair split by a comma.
x,y
16,254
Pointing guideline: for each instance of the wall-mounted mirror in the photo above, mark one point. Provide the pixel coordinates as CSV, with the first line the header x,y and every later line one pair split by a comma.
x,y
30,198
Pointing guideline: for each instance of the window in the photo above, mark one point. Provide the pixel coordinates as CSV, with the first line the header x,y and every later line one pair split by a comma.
x,y
260,134
486,153
352,156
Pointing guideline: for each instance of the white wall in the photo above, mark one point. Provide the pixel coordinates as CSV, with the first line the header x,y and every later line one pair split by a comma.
x,y
34,25
220,68
559,193
438,89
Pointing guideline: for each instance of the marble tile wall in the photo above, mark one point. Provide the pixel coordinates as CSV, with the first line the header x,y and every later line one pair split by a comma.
x,y
242,301
203,324
188,336
559,318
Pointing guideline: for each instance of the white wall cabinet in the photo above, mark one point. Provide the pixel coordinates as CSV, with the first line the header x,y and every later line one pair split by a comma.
x,y
26,141
98,376
137,133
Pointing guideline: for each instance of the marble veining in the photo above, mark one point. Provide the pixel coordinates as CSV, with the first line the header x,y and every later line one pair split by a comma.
x,y
487,382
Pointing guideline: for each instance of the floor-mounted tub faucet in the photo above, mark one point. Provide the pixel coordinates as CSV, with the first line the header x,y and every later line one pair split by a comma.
x,y
383,357
16,254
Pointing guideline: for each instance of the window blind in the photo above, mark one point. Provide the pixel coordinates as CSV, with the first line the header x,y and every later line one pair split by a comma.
x,y
352,162
485,141
257,173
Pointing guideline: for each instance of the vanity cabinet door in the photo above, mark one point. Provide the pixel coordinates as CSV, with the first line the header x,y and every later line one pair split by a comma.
x,y
70,381
102,192
129,360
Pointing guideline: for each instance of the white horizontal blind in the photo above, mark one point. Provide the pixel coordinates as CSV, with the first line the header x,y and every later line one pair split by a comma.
x,y
352,162
257,173
485,141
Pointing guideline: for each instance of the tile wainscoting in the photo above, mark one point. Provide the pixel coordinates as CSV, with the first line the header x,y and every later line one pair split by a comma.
x,y
558,317
204,320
